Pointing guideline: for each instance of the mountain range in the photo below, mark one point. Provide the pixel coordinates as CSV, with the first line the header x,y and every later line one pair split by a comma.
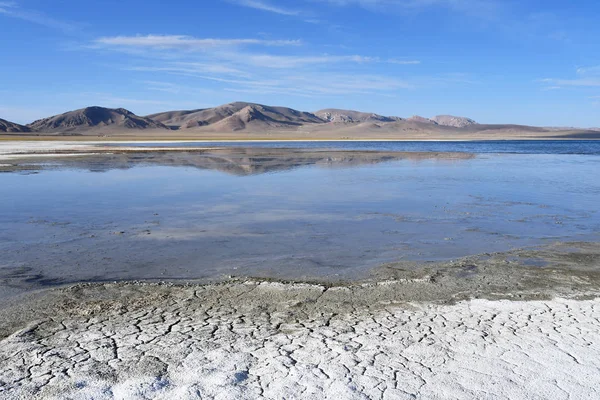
x,y
245,117
236,116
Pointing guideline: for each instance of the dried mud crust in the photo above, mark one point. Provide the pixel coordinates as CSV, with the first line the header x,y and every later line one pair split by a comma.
x,y
405,334
263,339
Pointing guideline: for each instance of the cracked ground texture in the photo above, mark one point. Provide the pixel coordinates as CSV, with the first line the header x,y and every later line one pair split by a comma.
x,y
283,341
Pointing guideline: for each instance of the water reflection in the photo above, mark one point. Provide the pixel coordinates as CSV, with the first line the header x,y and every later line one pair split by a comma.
x,y
235,161
329,214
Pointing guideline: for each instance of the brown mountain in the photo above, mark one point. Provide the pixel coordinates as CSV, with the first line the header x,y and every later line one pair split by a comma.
x,y
350,116
7,126
236,116
94,117
257,120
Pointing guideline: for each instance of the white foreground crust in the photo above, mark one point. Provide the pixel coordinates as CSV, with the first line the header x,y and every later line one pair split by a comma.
x,y
476,349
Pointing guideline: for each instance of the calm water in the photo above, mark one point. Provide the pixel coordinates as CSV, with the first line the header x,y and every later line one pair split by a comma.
x,y
332,217
591,147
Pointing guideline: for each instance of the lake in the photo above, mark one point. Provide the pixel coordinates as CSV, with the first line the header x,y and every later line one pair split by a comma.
x,y
320,210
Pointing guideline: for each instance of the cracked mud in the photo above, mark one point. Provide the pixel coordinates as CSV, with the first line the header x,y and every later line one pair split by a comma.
x,y
413,335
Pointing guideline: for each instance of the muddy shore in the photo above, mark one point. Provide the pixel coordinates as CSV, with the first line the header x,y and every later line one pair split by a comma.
x,y
484,326
481,327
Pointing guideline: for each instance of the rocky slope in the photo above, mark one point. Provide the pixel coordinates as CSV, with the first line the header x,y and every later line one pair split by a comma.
x,y
94,117
451,120
418,118
7,126
444,120
236,116
350,116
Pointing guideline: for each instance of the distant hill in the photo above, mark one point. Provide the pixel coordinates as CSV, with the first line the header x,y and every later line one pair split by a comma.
x,y
94,117
236,116
349,116
7,126
234,120
445,120
451,120
418,118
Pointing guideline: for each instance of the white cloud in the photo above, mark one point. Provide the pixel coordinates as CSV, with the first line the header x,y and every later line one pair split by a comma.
x,y
581,82
275,61
594,70
403,62
585,77
265,6
231,65
191,68
295,82
185,42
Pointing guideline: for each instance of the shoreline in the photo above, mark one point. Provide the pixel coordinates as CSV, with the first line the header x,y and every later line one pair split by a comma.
x,y
116,140
10,150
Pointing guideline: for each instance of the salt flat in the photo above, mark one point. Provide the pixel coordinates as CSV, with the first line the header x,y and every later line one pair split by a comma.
x,y
275,340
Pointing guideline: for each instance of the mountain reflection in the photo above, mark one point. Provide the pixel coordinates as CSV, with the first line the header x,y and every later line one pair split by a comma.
x,y
235,161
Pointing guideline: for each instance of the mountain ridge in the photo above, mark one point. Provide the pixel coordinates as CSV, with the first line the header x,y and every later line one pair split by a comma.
x,y
337,115
93,117
237,115
255,118
8,126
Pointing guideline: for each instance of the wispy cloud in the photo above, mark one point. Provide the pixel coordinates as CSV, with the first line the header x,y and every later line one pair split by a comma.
x,y
11,9
593,70
585,77
261,66
186,42
299,82
223,63
265,6
190,68
324,84
581,82
475,7
403,62
280,62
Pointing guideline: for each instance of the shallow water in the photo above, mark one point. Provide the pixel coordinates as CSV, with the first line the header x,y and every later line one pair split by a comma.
x,y
331,215
591,147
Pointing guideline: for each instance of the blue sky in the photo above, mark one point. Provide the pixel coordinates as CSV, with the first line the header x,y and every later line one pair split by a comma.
x,y
529,62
